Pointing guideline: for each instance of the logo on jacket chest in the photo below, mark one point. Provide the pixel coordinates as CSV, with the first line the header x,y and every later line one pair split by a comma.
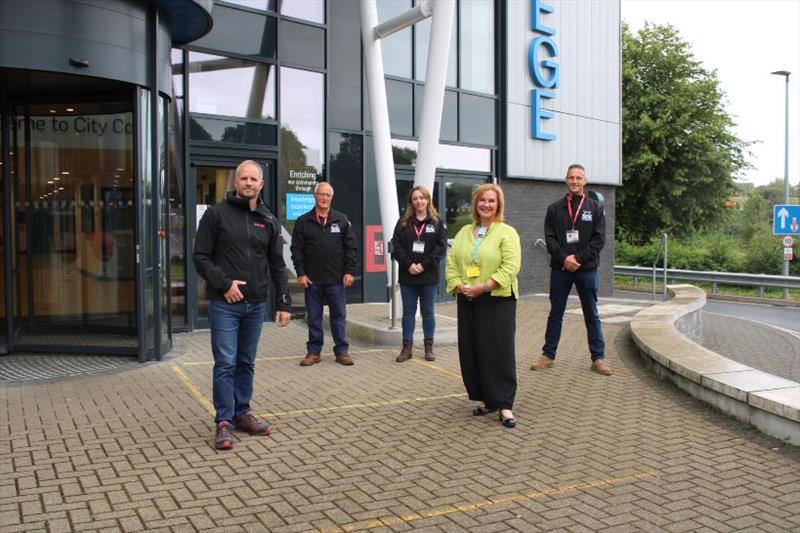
x,y
335,228
586,216
259,225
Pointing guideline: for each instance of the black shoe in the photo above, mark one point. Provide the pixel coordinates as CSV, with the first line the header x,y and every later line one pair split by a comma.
x,y
482,410
509,422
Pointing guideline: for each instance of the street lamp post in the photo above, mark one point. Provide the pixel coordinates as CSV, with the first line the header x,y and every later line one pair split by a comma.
x,y
785,74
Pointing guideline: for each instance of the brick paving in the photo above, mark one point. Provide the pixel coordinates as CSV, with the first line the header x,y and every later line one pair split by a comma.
x,y
389,447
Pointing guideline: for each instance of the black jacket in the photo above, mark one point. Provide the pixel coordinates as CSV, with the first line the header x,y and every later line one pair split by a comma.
x,y
234,242
324,254
434,235
591,226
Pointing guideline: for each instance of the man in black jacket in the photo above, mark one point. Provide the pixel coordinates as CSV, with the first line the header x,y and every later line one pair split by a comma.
x,y
324,257
574,230
238,250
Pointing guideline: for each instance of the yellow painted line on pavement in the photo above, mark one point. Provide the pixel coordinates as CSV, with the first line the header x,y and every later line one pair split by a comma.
x,y
279,358
362,405
194,390
407,519
436,367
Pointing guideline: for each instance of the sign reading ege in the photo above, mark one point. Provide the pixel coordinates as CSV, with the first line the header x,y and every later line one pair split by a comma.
x,y
544,72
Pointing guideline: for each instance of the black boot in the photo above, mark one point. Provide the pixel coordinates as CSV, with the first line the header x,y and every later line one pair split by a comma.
x,y
406,352
429,350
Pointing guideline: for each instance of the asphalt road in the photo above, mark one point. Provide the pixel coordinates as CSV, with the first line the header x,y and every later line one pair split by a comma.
x,y
782,317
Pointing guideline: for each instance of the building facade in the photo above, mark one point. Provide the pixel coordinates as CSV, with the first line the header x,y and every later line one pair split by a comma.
x,y
122,121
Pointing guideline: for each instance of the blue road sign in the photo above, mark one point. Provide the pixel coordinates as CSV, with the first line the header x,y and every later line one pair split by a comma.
x,y
786,219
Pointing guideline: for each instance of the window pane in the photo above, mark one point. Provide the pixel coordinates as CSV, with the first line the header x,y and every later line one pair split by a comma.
x,y
302,137
476,21
231,87
241,32
399,97
422,37
313,10
447,156
477,119
449,130
268,5
397,47
302,44
232,131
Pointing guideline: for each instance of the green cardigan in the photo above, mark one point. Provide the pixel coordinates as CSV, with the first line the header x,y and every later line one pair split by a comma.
x,y
499,258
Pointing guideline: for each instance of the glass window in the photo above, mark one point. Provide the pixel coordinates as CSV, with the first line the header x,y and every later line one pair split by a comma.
x,y
346,169
449,131
477,119
399,96
458,204
396,48
313,10
422,38
263,5
447,156
241,32
476,23
232,131
302,135
302,44
231,87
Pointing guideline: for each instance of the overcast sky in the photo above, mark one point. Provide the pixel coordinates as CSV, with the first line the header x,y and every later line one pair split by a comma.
x,y
744,41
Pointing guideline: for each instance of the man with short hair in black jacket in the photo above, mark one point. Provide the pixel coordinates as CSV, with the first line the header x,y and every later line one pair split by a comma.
x,y
239,251
324,257
574,230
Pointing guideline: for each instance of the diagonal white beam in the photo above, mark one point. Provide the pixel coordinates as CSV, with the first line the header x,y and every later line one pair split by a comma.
x,y
433,99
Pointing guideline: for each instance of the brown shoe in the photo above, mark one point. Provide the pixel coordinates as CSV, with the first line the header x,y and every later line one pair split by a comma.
x,y
406,352
310,359
429,350
542,363
223,438
601,367
344,359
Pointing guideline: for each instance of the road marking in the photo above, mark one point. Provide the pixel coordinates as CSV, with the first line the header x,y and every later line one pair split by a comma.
x,y
364,405
436,367
205,402
279,358
789,331
407,519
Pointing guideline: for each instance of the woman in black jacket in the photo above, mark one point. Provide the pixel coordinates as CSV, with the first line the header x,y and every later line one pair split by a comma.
x,y
418,245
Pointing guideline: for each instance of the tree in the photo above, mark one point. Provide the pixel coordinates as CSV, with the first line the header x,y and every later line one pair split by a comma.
x,y
680,157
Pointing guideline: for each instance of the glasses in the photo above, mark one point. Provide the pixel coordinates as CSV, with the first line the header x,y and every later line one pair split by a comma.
x,y
323,194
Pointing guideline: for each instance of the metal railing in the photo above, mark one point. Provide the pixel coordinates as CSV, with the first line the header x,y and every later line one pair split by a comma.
x,y
762,281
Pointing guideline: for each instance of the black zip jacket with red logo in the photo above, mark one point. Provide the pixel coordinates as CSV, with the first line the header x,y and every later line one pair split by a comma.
x,y
591,226
234,242
324,253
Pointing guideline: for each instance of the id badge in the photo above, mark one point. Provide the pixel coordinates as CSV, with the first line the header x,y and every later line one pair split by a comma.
x,y
418,247
572,236
473,271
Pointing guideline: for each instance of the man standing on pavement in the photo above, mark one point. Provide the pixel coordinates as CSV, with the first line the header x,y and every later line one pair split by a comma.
x,y
574,230
324,257
238,250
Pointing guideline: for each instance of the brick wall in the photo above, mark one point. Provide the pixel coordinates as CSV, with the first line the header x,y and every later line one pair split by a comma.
x,y
526,205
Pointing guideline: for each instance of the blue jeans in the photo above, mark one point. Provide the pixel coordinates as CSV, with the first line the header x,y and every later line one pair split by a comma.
x,y
334,295
235,330
586,283
425,294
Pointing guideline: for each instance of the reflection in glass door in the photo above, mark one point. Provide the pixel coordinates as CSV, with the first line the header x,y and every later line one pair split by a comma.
x,y
212,182
74,228
4,168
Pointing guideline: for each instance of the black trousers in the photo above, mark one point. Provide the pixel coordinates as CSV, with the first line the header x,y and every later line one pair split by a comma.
x,y
486,329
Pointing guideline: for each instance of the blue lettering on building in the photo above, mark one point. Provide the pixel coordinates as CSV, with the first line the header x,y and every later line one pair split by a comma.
x,y
544,72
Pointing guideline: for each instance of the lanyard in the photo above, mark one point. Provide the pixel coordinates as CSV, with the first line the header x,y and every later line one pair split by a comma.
x,y
574,219
478,241
421,228
324,219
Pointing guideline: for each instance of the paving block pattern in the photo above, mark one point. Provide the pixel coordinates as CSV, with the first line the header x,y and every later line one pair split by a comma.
x,y
388,446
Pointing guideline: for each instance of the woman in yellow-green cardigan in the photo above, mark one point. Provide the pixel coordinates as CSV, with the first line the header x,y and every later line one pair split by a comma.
x,y
482,268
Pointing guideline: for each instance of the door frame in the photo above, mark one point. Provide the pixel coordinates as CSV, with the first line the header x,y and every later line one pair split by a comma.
x,y
269,195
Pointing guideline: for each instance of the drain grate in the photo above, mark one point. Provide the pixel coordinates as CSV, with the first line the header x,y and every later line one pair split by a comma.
x,y
30,367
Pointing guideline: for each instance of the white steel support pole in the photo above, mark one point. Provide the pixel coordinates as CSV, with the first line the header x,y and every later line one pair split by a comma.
x,y
381,137
433,101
